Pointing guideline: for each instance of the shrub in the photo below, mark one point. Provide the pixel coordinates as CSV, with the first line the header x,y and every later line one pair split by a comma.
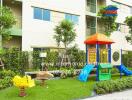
x,y
50,60
63,75
68,73
6,78
109,86
6,82
14,59
127,59
114,70
6,73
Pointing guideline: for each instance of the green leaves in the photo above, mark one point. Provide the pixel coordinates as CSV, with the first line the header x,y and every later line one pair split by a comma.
x,y
14,59
6,78
65,33
7,19
128,21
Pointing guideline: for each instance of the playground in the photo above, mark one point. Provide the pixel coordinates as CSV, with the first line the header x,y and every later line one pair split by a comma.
x,y
102,58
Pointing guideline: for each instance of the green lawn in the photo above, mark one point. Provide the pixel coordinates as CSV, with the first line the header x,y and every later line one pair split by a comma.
x,y
62,89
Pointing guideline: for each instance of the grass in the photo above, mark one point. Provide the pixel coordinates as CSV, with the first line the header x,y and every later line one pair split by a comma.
x,y
62,89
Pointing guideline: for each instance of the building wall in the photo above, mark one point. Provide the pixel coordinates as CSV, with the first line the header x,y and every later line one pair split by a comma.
x,y
40,33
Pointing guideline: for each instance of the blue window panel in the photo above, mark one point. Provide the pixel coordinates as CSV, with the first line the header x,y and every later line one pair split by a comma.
x,y
38,13
46,15
68,17
75,19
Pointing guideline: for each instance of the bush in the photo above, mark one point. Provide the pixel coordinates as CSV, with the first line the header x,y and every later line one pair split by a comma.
x,y
14,59
127,59
68,73
63,75
6,82
6,73
6,78
50,60
109,86
114,70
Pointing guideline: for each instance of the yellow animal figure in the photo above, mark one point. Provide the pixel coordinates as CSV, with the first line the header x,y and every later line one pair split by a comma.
x,y
22,83
25,81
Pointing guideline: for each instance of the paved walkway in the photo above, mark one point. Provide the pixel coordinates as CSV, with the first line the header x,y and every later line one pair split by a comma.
x,y
125,95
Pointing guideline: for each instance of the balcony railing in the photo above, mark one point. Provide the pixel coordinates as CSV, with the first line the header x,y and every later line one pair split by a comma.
x,y
16,30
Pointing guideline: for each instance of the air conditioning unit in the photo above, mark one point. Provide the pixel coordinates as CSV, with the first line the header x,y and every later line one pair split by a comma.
x,y
115,57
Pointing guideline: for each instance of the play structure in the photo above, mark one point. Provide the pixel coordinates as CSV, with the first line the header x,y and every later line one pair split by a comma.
x,y
100,57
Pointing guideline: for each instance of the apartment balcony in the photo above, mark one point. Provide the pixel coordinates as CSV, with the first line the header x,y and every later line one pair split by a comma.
x,y
16,7
91,7
91,25
16,30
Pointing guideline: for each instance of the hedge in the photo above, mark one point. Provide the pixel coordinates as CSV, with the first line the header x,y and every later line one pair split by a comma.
x,y
14,59
6,78
110,86
127,58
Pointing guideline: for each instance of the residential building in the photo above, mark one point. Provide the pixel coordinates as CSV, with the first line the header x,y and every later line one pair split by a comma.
x,y
38,18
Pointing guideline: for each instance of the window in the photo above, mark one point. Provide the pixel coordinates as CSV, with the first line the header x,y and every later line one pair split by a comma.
x,y
38,13
41,14
46,15
75,19
72,18
68,17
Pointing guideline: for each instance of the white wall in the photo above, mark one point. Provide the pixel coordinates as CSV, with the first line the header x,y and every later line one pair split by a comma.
x,y
120,41
40,33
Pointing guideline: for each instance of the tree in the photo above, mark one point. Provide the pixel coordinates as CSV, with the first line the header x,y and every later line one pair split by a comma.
x,y
65,33
7,20
108,22
128,21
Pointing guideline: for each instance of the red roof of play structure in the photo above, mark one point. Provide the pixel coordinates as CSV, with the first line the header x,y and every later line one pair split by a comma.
x,y
98,39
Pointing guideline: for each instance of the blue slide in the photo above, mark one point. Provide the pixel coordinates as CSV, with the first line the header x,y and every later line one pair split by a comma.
x,y
85,72
124,70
